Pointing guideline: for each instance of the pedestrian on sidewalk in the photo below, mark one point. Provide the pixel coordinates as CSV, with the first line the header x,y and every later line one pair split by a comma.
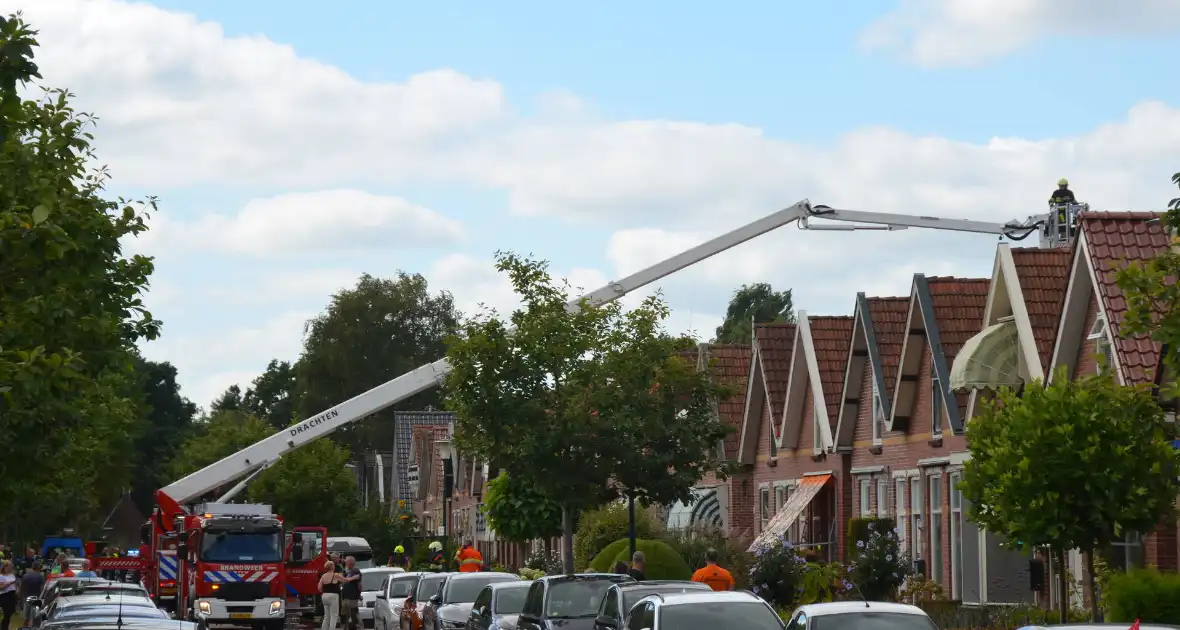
x,y
717,578
7,593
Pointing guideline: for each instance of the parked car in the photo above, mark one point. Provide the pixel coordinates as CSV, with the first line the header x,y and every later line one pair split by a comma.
x,y
568,602
451,606
371,581
727,610
413,606
100,606
612,613
857,615
35,607
129,623
498,606
388,608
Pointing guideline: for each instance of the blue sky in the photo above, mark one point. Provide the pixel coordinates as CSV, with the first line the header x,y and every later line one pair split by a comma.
x,y
600,137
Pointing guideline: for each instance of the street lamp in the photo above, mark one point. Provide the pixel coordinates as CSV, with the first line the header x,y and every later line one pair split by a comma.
x,y
445,452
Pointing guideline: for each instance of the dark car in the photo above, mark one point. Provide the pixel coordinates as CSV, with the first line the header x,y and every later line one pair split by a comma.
x,y
566,602
451,606
35,606
498,606
115,623
94,606
612,614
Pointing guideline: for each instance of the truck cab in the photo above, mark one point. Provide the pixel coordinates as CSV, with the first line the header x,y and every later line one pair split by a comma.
x,y
354,546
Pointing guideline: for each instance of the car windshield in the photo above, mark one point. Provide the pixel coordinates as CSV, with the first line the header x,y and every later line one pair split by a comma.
x,y
720,616
464,590
634,594
575,598
402,587
428,587
872,621
371,580
510,601
241,547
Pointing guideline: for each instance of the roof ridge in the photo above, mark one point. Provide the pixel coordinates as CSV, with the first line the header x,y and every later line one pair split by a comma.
x,y
829,317
955,279
774,324
1125,215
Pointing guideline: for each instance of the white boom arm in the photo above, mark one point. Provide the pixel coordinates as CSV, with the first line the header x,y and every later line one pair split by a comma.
x,y
268,450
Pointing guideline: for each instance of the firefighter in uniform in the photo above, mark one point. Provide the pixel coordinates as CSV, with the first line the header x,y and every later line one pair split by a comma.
x,y
399,558
469,558
437,560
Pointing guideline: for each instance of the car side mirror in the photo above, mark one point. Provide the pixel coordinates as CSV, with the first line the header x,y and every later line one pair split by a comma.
x,y
436,599
381,596
606,622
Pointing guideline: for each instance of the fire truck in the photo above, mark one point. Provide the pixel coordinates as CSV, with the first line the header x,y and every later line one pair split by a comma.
x,y
232,563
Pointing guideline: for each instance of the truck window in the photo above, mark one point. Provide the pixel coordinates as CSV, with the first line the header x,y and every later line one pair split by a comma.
x,y
241,547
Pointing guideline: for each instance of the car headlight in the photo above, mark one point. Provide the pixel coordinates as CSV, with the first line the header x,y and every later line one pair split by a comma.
x,y
276,607
204,607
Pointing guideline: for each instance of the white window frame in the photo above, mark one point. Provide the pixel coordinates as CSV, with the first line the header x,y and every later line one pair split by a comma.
x,y
864,484
901,522
878,413
937,407
1130,541
764,505
934,481
882,497
917,510
956,505
780,497
1102,346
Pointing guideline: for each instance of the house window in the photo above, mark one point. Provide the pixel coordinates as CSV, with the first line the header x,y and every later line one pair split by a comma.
x,y
878,414
1102,346
764,505
882,497
1126,553
956,536
902,523
936,527
937,407
916,512
866,505
780,498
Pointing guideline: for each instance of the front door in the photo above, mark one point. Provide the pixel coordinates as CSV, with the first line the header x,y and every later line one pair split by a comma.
x,y
307,552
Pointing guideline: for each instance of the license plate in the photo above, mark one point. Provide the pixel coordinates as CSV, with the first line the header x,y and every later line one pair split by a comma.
x,y
239,615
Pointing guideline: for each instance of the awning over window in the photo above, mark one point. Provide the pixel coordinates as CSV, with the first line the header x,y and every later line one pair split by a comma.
x,y
989,360
789,513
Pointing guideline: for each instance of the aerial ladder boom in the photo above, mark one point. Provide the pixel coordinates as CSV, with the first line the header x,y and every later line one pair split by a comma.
x,y
267,451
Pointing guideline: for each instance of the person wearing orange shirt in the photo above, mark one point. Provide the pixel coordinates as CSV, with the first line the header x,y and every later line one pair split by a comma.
x,y
717,578
470,559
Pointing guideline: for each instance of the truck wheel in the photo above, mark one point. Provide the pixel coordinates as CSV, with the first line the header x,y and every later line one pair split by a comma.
x,y
275,624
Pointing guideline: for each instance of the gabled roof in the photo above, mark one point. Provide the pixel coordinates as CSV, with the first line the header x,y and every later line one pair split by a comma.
x,y
771,352
878,330
1107,242
944,312
821,353
1043,275
730,365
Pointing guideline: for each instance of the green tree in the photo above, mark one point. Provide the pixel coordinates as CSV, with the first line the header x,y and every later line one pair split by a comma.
x,y
1032,474
311,486
370,334
70,308
220,436
385,531
272,395
229,400
754,303
519,512
543,396
168,419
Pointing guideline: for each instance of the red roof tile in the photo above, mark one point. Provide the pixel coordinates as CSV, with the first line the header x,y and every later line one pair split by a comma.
x,y
888,317
730,364
958,305
1115,239
1043,276
831,336
775,345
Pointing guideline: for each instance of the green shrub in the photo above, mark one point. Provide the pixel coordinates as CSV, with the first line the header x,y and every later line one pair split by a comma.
x,y
1143,594
662,561
731,553
858,530
604,562
600,527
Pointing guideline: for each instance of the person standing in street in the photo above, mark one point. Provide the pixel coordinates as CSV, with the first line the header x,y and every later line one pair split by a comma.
x,y
638,566
717,578
330,596
469,558
31,584
7,593
86,571
350,594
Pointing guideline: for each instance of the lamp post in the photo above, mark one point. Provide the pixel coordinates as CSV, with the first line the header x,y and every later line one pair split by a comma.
x,y
445,452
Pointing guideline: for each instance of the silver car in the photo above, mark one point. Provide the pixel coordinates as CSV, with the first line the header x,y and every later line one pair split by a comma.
x,y
371,581
387,611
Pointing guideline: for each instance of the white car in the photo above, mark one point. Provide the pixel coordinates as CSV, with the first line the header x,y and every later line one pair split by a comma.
x,y
724,610
387,611
372,579
860,615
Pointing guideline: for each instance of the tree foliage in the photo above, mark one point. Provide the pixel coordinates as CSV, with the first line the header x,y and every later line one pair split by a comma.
x,y
70,307
229,400
754,303
546,390
1075,465
385,527
219,436
518,511
168,418
310,486
272,395
370,334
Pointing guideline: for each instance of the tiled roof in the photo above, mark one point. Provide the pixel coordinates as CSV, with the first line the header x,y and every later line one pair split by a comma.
x,y
1043,276
1114,239
775,345
731,365
888,317
831,336
958,305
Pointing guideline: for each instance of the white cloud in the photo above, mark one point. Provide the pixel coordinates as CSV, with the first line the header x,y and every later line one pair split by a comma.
x,y
267,288
307,223
969,32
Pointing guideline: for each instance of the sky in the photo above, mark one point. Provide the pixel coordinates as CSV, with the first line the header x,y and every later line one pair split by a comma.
x,y
294,145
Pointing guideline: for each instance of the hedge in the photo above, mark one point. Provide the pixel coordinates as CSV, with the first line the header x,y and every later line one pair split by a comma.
x,y
604,562
1143,594
662,561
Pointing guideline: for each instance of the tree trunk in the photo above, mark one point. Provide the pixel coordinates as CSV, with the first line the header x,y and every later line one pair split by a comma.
x,y
522,555
1063,586
1095,613
567,539
631,522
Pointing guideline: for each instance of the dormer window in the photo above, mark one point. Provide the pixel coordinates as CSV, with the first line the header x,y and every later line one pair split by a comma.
x,y
1099,335
878,414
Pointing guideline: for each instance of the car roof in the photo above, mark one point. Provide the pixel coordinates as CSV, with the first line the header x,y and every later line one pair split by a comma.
x,y
658,583
702,597
458,577
382,570
113,623
844,608
587,577
508,584
93,599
